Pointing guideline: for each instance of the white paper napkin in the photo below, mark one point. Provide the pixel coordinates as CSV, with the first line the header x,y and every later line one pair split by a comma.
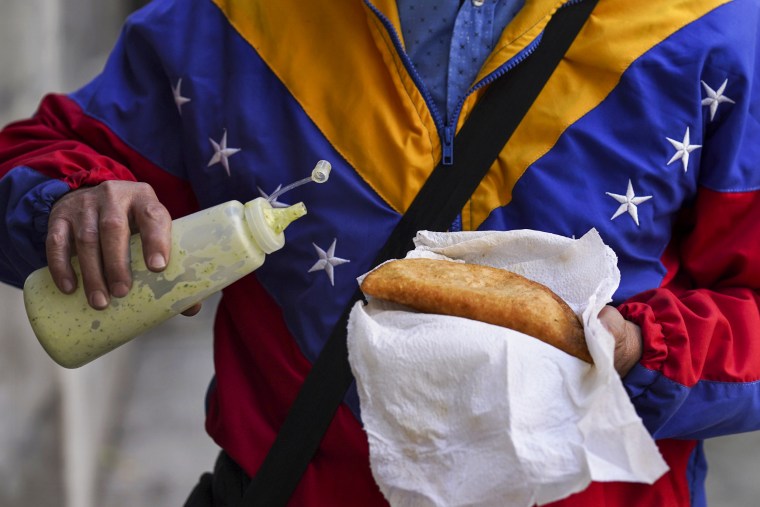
x,y
459,412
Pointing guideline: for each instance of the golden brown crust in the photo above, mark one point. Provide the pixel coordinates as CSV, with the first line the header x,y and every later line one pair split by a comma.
x,y
483,293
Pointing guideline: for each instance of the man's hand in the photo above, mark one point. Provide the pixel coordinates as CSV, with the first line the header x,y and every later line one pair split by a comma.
x,y
628,341
95,223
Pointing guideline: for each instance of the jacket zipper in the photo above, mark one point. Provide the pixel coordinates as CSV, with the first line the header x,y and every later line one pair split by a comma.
x,y
450,130
447,132
437,119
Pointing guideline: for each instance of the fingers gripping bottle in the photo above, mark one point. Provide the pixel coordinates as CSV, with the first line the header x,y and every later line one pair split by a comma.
x,y
210,250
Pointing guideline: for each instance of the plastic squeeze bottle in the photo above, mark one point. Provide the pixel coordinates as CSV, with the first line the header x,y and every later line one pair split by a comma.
x,y
211,249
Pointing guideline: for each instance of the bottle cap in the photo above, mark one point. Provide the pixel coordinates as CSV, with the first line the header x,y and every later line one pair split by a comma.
x,y
321,171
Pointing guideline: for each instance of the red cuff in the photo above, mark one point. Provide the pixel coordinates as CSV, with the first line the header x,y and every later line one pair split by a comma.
x,y
655,349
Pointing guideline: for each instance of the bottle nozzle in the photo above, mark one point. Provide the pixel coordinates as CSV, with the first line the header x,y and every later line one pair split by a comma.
x,y
279,218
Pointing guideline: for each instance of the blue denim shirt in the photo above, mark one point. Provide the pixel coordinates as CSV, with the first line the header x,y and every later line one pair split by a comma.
x,y
448,41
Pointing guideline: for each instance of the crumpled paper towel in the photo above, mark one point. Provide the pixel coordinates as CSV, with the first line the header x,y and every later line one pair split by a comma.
x,y
460,412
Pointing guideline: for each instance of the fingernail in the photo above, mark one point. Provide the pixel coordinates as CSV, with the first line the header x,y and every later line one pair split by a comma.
x,y
98,300
67,286
119,289
157,261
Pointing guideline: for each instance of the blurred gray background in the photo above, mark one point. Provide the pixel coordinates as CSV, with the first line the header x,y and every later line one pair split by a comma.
x,y
127,429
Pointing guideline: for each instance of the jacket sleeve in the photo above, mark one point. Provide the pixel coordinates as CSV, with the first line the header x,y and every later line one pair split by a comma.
x,y
700,372
699,376
123,125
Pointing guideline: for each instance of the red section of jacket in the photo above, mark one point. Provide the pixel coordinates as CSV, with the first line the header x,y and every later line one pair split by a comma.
x,y
259,370
703,323
670,490
61,142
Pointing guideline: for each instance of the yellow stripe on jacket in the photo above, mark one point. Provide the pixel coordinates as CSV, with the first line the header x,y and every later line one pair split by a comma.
x,y
339,62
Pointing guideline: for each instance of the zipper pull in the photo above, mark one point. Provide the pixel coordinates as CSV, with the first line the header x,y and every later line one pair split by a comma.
x,y
448,146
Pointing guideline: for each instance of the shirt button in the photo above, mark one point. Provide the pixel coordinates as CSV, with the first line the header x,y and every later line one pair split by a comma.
x,y
478,3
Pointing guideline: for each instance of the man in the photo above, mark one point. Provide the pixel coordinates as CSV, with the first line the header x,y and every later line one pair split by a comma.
x,y
646,131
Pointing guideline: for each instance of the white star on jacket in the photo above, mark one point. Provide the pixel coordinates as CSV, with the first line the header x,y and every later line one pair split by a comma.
x,y
327,261
179,100
683,148
222,153
715,98
274,202
628,203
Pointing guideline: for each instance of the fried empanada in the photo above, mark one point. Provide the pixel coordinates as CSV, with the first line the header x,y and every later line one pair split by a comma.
x,y
483,293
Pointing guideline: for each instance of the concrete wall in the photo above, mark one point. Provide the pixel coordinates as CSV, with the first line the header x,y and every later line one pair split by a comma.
x,y
53,421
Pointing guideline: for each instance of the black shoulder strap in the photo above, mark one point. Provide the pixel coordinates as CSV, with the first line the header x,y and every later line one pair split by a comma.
x,y
444,194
